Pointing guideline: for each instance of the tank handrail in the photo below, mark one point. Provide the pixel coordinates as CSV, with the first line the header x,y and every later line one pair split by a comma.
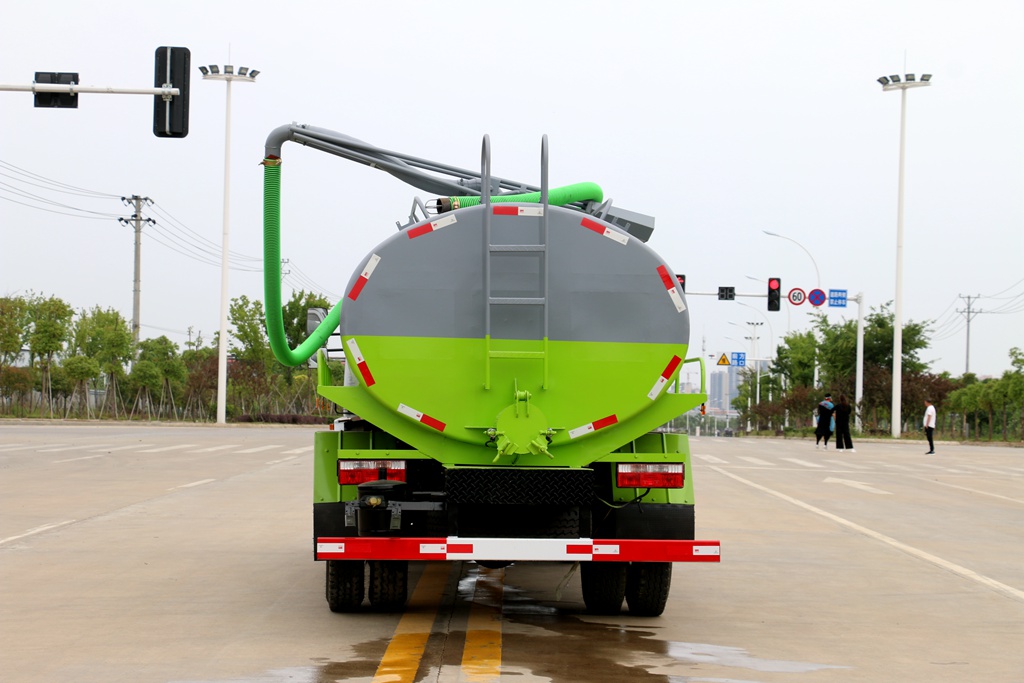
x,y
698,359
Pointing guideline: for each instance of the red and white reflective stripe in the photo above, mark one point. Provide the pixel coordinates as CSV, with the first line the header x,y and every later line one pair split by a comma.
x,y
431,226
364,277
670,287
517,549
593,426
606,232
421,417
666,375
364,369
503,210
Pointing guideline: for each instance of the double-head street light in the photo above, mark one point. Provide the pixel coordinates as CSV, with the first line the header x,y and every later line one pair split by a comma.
x,y
214,73
890,83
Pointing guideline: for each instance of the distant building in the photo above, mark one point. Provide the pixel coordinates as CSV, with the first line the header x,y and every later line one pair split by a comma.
x,y
723,387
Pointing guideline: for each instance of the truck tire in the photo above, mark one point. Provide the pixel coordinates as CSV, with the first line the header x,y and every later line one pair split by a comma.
x,y
345,585
647,586
389,583
604,586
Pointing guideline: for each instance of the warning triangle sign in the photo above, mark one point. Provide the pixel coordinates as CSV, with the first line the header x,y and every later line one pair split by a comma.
x,y
724,360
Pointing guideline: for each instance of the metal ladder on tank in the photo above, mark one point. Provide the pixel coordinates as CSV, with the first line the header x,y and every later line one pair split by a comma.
x,y
490,249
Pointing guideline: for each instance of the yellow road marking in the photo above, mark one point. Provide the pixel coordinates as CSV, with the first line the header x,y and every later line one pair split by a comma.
x,y
402,658
481,658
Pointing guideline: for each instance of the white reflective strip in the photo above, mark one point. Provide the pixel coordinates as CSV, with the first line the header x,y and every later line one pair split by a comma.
x,y
653,393
706,550
677,300
443,222
616,236
330,547
411,412
354,348
370,265
522,549
606,549
531,210
433,548
580,431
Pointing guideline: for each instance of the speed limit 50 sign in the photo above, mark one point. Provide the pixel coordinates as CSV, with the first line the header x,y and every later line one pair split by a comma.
x,y
797,296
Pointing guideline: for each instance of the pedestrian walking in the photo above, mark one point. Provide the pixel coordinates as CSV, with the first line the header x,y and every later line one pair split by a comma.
x,y
929,426
826,421
842,416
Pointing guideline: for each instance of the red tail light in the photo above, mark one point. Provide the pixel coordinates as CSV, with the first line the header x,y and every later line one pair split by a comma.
x,y
647,475
360,471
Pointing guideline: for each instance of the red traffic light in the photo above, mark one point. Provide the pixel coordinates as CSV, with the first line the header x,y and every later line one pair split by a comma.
x,y
774,283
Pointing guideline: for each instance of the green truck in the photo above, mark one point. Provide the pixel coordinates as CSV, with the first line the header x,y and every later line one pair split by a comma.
x,y
512,355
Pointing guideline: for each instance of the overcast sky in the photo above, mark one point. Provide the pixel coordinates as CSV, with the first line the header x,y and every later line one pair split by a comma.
x,y
721,119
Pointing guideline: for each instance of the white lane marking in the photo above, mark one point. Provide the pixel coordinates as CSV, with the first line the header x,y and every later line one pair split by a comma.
x,y
121,448
304,449
195,483
37,530
850,465
943,468
805,463
710,458
11,446
857,485
168,448
888,540
983,469
258,449
60,449
755,461
964,488
30,447
84,457
211,449
891,465
275,462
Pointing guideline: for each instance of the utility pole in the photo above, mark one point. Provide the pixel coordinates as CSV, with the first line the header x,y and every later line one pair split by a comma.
x,y
136,221
969,315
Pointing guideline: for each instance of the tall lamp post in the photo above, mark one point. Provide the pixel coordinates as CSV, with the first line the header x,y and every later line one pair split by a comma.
x,y
890,83
214,73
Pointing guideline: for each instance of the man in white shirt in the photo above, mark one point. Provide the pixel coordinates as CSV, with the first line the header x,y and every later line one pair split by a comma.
x,y
929,425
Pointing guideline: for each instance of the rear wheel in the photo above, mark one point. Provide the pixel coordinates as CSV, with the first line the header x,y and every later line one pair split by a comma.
x,y
604,586
647,587
389,583
344,585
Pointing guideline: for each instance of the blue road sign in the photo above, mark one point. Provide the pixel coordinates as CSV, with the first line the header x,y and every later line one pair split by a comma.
x,y
739,359
837,298
816,297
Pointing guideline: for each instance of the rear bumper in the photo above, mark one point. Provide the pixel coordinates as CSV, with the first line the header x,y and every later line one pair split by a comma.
x,y
516,549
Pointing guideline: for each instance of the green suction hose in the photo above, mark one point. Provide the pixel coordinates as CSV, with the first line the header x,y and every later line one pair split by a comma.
x,y
272,277
558,196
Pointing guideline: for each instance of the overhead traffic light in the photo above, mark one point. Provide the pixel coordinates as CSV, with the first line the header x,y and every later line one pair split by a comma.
x,y
67,100
774,294
681,279
170,114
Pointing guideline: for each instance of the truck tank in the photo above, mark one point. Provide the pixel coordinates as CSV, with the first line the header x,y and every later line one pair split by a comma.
x,y
511,361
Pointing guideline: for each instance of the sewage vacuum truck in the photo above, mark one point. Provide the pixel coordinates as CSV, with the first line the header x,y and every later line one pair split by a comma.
x,y
512,355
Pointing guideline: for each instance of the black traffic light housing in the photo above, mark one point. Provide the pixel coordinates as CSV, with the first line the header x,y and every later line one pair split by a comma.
x,y
774,294
681,279
170,116
56,99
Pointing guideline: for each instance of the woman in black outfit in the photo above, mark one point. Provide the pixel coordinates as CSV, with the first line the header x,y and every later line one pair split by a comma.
x,y
843,440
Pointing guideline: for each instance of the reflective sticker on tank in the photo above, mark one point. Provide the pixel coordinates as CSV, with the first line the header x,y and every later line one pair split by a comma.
x,y
665,376
432,226
421,417
364,369
364,277
605,232
593,426
500,210
670,287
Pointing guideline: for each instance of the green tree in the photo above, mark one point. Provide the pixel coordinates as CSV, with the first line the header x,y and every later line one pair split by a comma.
x,y
163,353
105,335
13,323
254,363
80,370
50,329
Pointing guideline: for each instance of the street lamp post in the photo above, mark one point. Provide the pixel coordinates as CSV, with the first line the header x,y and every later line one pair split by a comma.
x,y
213,73
817,273
890,83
